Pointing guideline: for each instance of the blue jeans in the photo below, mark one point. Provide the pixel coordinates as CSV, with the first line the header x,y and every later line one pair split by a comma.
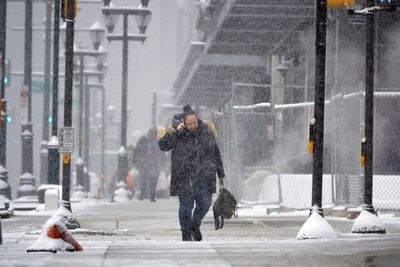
x,y
203,203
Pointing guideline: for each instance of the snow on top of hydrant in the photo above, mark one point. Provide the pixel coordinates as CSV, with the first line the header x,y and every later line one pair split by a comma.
x,y
316,227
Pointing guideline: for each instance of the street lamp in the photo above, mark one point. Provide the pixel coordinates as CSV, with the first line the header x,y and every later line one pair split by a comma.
x,y
110,20
46,96
84,95
26,127
100,66
143,16
143,20
97,32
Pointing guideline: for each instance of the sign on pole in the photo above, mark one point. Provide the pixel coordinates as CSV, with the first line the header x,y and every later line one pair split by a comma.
x,y
66,140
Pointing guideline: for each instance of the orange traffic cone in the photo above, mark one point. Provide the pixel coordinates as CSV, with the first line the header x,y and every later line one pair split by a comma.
x,y
59,230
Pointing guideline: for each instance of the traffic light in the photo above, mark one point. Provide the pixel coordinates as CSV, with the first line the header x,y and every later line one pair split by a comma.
x,y
9,119
7,75
64,9
340,3
50,119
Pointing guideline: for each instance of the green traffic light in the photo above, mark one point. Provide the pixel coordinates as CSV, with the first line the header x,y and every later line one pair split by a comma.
x,y
6,80
9,119
50,119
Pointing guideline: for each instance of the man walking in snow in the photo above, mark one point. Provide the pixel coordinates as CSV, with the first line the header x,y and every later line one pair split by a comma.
x,y
195,161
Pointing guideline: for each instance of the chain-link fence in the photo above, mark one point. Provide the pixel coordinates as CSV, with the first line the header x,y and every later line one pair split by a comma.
x,y
267,148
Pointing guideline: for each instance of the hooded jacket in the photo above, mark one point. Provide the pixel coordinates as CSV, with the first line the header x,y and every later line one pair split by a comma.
x,y
195,160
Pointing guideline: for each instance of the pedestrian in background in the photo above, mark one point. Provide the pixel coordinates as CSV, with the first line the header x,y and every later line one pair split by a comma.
x,y
195,162
149,161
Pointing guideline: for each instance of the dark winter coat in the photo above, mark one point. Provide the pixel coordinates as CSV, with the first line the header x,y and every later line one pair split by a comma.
x,y
147,157
195,160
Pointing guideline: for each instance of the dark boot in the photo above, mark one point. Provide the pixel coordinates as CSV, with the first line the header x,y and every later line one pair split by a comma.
x,y
186,236
196,234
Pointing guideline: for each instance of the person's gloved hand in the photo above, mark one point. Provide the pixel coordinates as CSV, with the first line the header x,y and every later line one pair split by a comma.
x,y
181,126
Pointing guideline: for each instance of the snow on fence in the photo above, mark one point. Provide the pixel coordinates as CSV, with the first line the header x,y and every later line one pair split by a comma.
x,y
274,138
297,191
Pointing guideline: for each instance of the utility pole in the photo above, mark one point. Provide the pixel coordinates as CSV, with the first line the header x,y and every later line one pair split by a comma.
x,y
27,163
69,62
3,128
369,107
320,54
53,154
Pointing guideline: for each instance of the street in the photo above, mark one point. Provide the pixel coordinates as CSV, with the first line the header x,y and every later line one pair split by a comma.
x,y
147,234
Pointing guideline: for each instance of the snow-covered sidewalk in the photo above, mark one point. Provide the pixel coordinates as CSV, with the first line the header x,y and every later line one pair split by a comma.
x,y
147,234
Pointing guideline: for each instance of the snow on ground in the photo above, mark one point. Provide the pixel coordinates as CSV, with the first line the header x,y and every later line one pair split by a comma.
x,y
257,209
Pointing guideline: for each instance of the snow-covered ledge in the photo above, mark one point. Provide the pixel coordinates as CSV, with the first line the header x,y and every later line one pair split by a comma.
x,y
368,223
316,227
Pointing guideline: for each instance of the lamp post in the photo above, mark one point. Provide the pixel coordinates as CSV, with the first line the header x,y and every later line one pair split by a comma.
x,y
3,109
143,17
96,32
27,131
100,67
84,96
46,96
53,154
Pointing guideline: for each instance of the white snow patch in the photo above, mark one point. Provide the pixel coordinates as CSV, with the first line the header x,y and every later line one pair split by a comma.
x,y
122,194
252,209
367,222
50,186
50,244
296,190
2,169
122,150
3,185
26,188
79,161
316,227
27,199
79,195
53,141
